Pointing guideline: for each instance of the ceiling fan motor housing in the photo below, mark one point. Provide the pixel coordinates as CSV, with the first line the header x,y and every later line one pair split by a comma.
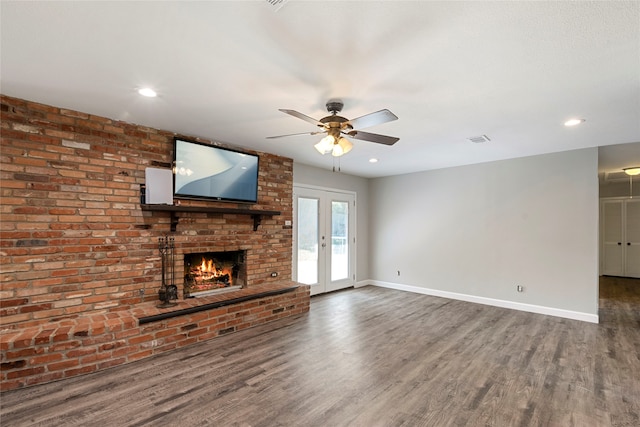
x,y
335,122
334,106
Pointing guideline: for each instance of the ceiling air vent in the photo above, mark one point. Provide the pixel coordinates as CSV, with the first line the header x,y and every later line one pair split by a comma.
x,y
277,4
479,139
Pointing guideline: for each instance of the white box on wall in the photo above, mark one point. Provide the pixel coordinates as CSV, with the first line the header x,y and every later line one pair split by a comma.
x,y
159,186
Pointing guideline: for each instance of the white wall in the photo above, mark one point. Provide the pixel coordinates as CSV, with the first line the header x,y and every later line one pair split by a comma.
x,y
475,232
309,175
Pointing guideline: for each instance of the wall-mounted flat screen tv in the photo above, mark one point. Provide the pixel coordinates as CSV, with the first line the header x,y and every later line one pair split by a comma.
x,y
202,171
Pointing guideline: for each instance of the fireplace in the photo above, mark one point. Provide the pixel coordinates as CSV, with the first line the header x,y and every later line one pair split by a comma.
x,y
207,273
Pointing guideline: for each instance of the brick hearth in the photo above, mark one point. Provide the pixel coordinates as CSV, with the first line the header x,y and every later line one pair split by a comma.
x,y
71,347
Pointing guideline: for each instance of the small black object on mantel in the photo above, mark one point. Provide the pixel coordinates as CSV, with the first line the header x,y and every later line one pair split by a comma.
x,y
143,194
167,293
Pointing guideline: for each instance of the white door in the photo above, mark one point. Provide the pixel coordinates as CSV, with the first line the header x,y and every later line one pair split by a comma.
x,y
612,237
620,237
632,238
323,239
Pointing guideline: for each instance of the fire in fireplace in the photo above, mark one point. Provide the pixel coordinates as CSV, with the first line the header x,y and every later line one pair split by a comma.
x,y
206,273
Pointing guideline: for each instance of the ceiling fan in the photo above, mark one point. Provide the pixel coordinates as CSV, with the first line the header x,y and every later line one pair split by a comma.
x,y
336,126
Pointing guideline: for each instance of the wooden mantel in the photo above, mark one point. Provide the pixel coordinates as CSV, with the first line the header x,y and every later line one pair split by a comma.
x,y
255,214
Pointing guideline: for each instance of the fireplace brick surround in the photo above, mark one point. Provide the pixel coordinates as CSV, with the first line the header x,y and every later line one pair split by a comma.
x,y
80,267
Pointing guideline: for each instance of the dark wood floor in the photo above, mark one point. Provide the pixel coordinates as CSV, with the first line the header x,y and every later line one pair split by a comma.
x,y
373,357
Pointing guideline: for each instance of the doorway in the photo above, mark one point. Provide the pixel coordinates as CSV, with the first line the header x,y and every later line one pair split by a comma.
x,y
323,238
620,237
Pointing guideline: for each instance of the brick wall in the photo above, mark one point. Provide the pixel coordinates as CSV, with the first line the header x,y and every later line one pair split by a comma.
x,y
73,239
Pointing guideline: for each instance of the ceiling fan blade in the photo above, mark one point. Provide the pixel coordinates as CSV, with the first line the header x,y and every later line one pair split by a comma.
x,y
373,137
303,117
372,119
295,134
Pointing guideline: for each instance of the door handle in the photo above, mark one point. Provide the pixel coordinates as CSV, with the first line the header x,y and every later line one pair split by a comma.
x,y
619,243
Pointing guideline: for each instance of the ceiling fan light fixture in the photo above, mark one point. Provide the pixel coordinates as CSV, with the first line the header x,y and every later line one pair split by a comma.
x,y
343,146
325,145
632,171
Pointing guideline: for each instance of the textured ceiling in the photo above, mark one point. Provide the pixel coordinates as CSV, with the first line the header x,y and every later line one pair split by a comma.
x,y
514,71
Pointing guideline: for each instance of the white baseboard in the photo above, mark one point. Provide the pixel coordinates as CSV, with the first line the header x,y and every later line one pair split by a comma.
x,y
363,283
549,311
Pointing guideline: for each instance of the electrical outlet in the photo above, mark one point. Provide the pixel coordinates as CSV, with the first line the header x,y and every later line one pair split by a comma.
x,y
398,272
519,288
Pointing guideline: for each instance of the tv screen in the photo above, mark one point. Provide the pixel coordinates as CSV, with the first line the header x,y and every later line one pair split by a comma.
x,y
203,171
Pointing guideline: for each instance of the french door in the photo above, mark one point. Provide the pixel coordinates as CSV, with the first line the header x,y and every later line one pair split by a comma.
x,y
620,237
323,239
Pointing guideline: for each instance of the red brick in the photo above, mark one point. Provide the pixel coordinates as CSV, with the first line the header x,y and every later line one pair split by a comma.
x,y
96,357
45,359
80,371
112,362
141,338
11,385
140,355
62,365
196,332
25,372
112,345
63,346
81,352
23,353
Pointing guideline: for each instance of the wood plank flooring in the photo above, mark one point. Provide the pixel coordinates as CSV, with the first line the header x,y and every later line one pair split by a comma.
x,y
373,357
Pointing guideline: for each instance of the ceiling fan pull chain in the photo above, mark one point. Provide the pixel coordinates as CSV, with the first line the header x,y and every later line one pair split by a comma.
x,y
334,164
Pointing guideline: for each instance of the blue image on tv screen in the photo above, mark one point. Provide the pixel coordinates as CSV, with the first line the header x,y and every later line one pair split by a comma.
x,y
203,171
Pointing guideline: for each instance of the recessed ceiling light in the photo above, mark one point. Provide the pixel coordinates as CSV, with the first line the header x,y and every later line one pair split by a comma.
x,y
373,160
573,122
148,92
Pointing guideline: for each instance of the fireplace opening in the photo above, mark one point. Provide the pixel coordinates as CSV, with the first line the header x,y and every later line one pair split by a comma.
x,y
207,273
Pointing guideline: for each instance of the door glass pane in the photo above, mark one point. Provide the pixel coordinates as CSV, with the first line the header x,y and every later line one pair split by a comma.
x,y
339,240
307,241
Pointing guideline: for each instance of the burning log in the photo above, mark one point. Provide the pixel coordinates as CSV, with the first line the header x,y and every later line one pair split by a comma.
x,y
209,271
208,275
